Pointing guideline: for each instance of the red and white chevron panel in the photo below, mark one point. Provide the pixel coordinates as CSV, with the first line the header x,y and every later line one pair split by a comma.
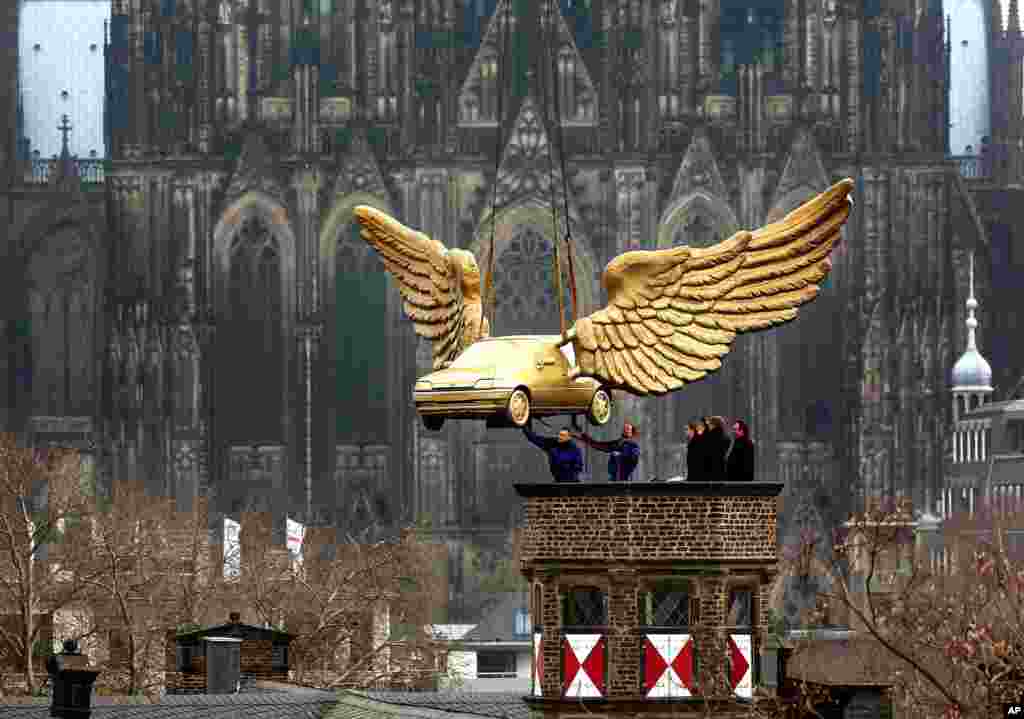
x,y
538,664
668,666
742,672
583,660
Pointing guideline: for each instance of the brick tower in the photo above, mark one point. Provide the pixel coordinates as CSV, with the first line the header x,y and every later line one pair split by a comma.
x,y
648,599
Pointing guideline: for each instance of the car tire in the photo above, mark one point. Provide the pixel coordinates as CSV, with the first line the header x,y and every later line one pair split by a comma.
x,y
518,408
433,422
600,411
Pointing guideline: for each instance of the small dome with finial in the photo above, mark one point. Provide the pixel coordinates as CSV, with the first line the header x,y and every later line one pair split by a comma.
x,y
972,371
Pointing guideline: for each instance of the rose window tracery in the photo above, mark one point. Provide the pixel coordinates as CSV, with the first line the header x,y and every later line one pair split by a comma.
x,y
524,286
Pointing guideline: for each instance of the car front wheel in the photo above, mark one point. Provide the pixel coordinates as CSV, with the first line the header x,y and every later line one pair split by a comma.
x,y
600,408
518,409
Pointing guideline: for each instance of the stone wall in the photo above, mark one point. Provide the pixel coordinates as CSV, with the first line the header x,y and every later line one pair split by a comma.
x,y
625,539
651,522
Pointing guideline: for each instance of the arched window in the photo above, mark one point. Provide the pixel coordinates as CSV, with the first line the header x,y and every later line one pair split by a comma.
x,y
524,287
360,349
61,298
968,73
254,331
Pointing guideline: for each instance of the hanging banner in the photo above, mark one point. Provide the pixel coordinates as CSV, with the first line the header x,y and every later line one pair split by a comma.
x,y
296,533
232,548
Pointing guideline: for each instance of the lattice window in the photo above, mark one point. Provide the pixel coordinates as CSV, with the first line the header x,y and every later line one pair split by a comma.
x,y
740,608
669,604
585,607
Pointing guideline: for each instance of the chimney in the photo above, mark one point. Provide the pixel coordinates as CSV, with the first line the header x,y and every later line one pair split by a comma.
x,y
235,618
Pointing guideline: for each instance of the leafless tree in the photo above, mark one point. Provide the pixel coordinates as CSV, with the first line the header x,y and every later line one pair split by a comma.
x,y
359,613
43,493
951,626
130,572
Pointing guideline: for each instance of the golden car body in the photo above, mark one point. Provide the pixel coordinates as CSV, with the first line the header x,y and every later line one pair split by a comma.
x,y
508,380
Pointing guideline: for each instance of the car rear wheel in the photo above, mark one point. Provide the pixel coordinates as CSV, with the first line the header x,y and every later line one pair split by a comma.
x,y
600,408
433,422
518,408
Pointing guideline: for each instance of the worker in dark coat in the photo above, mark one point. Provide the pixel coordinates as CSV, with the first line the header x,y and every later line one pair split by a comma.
x,y
623,453
564,457
716,444
740,465
695,451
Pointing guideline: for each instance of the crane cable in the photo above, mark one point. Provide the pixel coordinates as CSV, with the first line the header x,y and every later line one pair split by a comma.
x,y
561,155
489,294
551,176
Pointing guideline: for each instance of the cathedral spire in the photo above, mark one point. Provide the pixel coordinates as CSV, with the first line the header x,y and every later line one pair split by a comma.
x,y
972,372
972,305
996,16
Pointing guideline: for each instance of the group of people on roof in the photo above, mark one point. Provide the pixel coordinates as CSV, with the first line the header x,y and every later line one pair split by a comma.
x,y
711,455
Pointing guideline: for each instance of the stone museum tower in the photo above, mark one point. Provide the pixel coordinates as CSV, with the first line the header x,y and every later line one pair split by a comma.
x,y
198,310
649,599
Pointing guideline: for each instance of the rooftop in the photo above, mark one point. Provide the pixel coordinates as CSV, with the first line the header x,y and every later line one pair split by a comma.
x,y
428,705
649,489
260,703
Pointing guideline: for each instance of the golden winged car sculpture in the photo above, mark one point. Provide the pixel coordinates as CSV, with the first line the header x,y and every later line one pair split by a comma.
x,y
671,316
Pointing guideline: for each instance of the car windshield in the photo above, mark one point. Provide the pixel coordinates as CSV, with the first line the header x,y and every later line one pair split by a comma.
x,y
482,354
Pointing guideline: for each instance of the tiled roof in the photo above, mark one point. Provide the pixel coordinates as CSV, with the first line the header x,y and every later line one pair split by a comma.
x,y
293,704
428,705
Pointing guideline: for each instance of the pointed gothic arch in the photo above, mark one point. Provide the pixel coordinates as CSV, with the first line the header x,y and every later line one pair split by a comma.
x,y
254,251
534,216
699,219
63,264
703,207
365,368
351,269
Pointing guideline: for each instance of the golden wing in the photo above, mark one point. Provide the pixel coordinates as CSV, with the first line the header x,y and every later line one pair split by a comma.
x,y
673,314
427,278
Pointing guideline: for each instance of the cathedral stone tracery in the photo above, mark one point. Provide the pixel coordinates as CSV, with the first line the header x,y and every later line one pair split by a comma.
x,y
231,294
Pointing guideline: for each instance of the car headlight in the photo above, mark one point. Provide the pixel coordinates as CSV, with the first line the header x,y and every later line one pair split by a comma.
x,y
423,385
484,384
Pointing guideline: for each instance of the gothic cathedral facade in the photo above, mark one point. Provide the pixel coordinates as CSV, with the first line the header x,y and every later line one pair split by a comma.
x,y
199,310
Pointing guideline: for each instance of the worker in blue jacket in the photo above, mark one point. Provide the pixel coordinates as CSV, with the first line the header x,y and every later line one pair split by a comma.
x,y
623,453
564,457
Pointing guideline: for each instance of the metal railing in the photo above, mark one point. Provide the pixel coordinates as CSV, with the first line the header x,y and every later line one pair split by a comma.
x,y
39,171
972,167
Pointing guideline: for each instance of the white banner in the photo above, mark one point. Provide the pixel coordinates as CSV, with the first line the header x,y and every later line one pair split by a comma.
x,y
232,548
296,533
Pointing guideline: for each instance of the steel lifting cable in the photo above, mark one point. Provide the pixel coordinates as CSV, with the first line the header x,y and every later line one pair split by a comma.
x,y
561,155
551,181
489,294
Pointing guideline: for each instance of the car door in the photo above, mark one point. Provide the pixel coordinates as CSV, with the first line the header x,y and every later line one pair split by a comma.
x,y
549,383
